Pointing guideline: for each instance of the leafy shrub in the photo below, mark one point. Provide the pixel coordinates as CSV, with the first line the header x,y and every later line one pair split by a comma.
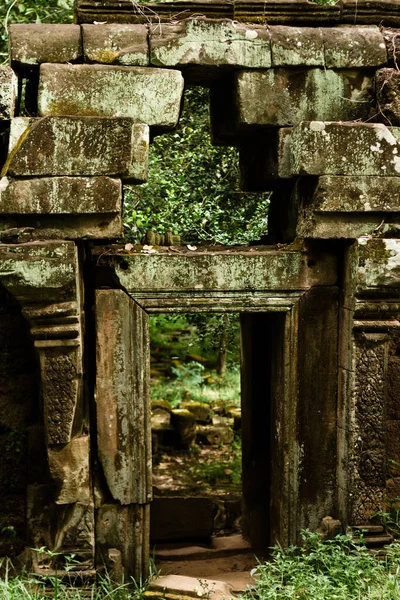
x,y
338,569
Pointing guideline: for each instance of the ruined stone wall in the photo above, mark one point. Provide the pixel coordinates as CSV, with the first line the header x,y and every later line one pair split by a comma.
x,y
310,95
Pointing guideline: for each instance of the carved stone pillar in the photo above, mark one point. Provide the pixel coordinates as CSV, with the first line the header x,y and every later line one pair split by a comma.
x,y
45,279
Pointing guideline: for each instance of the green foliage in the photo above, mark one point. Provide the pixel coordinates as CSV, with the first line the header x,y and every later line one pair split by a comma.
x,y
31,11
338,569
228,468
192,188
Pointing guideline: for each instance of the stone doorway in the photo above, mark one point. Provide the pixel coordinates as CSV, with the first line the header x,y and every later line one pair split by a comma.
x,y
276,434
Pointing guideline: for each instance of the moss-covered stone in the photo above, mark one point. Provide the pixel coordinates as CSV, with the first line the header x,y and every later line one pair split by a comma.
x,y
54,146
151,96
357,149
208,42
8,92
354,47
116,44
283,97
297,46
34,44
378,264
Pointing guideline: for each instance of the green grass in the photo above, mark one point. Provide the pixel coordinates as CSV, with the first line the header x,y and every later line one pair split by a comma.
x,y
338,569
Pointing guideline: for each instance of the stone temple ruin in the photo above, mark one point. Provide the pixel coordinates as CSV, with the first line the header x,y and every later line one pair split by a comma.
x,y
311,96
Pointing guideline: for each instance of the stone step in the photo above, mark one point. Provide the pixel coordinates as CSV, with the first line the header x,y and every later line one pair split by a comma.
x,y
368,528
191,587
219,547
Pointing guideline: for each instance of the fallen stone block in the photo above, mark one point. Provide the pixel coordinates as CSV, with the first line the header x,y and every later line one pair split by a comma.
x,y
210,42
69,470
297,46
184,422
357,149
214,435
344,207
43,43
54,146
148,95
387,85
116,44
200,410
284,97
351,47
8,92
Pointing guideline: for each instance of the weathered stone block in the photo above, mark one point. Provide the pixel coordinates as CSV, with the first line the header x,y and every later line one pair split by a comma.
x,y
122,397
378,264
8,92
319,148
35,44
60,195
387,84
282,97
151,96
69,470
351,46
116,44
54,146
344,207
210,42
297,46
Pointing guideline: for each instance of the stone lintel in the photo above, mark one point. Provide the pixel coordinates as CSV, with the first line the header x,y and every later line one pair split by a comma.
x,y
284,97
240,272
147,95
8,92
79,146
349,47
208,42
116,44
34,44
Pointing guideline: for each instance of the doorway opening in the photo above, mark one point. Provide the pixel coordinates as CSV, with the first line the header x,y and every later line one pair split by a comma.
x,y
212,383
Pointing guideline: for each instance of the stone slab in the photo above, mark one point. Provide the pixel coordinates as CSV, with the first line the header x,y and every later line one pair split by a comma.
x,y
387,85
8,92
53,146
297,46
354,47
116,44
60,195
69,470
355,149
148,95
212,43
284,97
34,44
192,587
